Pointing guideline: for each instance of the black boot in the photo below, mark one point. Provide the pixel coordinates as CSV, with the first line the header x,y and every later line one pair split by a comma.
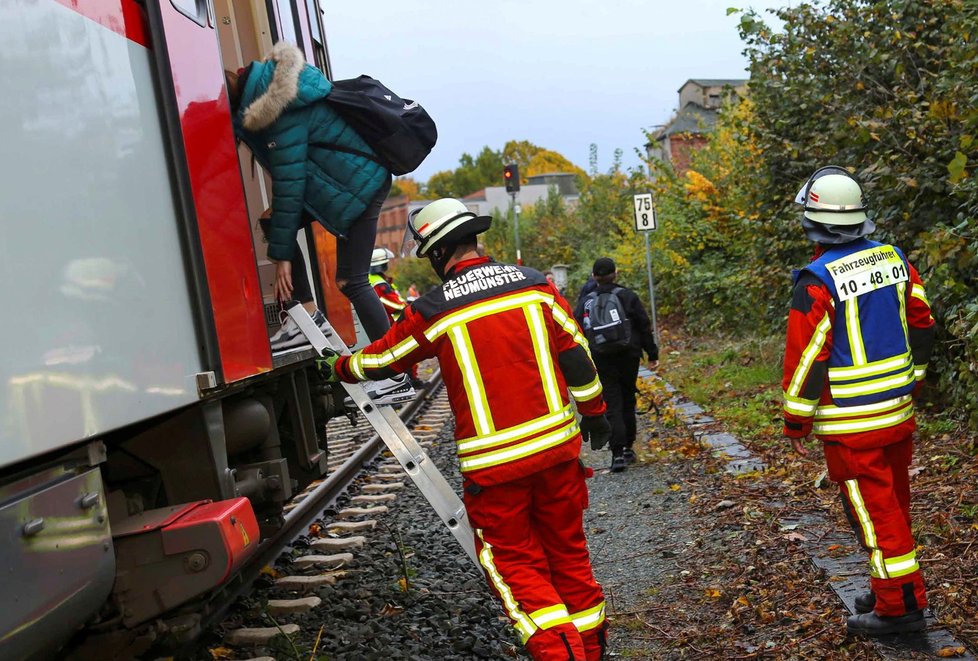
x,y
629,456
865,602
618,463
872,624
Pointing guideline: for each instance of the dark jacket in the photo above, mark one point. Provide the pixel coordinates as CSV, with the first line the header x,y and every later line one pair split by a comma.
x,y
642,337
288,126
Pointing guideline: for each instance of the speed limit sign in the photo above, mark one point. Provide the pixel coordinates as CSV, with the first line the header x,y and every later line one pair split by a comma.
x,y
644,212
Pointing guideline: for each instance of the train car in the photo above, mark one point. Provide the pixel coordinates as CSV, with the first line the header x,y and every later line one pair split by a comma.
x,y
149,436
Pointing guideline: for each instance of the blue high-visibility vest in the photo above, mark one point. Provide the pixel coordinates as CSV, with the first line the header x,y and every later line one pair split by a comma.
x,y
870,360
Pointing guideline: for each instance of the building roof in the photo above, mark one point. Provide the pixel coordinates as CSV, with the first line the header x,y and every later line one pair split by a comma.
x,y
478,195
715,82
693,118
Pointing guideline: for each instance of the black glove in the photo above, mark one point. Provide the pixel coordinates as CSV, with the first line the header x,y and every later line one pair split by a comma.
x,y
596,429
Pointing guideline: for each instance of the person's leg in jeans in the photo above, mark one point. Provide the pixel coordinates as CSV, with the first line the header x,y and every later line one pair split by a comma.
x,y
353,268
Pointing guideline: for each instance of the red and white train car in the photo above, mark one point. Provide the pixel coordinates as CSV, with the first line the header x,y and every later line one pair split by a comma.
x,y
148,437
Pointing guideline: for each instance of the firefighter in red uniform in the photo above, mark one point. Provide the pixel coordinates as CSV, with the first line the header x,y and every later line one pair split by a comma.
x,y
393,303
860,334
512,358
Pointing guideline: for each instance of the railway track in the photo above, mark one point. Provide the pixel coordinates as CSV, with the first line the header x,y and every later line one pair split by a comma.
x,y
352,446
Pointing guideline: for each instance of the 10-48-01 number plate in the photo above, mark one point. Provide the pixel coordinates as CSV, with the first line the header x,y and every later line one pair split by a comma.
x,y
866,271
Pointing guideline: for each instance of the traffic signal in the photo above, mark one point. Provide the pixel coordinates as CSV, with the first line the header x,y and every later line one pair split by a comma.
x,y
511,174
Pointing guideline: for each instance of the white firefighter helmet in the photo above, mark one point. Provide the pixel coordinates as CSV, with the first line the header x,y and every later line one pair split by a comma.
x,y
832,197
380,257
444,221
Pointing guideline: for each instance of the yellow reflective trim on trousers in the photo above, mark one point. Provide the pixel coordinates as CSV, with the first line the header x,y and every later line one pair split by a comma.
x,y
591,618
480,310
808,356
799,406
475,391
901,565
550,617
886,406
521,622
586,392
917,291
856,347
864,424
919,372
545,363
518,432
520,451
876,566
874,386
874,368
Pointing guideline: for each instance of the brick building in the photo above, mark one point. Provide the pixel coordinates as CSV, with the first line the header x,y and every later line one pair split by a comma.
x,y
700,100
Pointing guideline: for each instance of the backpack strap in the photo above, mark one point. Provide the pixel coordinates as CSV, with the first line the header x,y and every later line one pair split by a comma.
x,y
348,150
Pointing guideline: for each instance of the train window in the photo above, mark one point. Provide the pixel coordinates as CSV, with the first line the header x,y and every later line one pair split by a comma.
x,y
318,40
195,10
287,22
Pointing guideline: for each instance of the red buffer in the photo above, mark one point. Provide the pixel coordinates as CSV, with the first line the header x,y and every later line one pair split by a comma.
x,y
181,552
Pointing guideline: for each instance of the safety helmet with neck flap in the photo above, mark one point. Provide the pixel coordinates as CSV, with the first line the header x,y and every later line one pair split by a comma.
x,y
834,207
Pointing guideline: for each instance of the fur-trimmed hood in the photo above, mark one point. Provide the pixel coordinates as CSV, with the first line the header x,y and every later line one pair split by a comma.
x,y
277,83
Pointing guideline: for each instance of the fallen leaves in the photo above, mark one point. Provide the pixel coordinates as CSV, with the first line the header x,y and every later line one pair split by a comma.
x,y
948,652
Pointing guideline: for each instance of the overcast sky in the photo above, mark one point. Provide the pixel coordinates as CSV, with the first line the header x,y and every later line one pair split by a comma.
x,y
561,74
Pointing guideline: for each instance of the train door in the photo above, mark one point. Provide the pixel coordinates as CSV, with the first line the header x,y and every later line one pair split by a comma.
x,y
195,108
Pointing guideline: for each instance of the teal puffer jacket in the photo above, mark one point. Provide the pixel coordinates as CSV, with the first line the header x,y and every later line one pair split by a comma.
x,y
285,121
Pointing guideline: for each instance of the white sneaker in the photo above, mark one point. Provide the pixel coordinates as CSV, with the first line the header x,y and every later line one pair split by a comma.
x,y
287,336
394,390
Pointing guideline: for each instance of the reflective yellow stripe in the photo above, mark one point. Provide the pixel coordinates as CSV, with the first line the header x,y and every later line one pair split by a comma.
x,y
392,304
551,616
902,565
362,361
870,369
919,372
545,363
494,306
587,392
902,297
874,386
808,356
800,406
568,324
856,347
831,411
876,566
523,624
917,291
475,391
519,432
520,451
589,619
865,424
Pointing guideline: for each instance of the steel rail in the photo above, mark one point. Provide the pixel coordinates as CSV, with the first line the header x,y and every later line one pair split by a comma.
x,y
297,520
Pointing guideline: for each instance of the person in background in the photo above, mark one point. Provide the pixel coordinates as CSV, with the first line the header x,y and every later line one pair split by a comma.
x,y
859,338
512,359
617,358
322,171
383,284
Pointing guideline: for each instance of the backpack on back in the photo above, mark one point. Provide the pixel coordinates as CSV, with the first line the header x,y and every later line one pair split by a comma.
x,y
398,130
606,326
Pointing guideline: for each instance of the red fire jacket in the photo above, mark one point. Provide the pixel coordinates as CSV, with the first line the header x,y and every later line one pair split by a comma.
x,y
393,303
808,402
511,357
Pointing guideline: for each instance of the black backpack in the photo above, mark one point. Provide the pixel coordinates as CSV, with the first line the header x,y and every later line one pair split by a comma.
x,y
399,130
606,326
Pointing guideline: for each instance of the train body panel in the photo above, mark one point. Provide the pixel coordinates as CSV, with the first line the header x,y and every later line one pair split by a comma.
x,y
100,328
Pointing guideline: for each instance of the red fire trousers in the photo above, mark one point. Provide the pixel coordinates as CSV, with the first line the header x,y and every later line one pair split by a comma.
x,y
875,491
530,542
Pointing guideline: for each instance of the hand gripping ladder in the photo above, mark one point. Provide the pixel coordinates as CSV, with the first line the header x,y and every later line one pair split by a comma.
x,y
398,439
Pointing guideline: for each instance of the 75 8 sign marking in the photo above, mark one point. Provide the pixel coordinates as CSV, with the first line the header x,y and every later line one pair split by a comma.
x,y
644,212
